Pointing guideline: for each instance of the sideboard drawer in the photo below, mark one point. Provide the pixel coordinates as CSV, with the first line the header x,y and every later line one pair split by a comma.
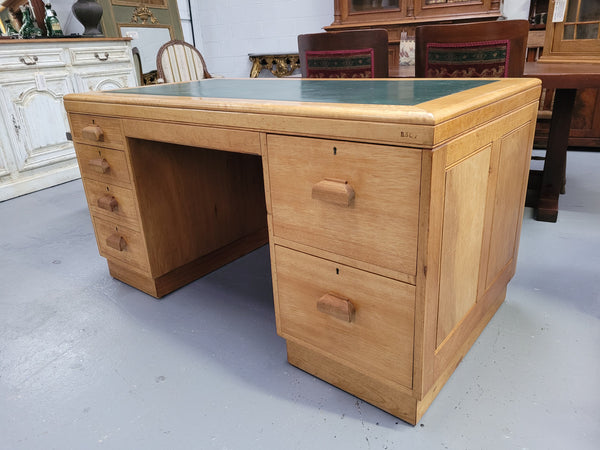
x,y
115,202
97,130
356,200
313,296
99,55
121,243
103,164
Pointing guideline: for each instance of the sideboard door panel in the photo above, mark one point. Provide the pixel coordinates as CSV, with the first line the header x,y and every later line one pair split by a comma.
x,y
42,123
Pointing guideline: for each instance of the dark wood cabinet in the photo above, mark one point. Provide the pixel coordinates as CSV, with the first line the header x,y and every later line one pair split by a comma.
x,y
574,39
403,16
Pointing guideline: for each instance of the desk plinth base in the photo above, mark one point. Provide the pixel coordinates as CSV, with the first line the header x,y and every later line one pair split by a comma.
x,y
383,395
179,277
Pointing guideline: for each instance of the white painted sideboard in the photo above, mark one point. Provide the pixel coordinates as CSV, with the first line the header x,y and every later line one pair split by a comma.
x,y
34,76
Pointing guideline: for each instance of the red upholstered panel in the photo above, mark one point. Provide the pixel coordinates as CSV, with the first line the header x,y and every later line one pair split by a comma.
x,y
468,59
340,63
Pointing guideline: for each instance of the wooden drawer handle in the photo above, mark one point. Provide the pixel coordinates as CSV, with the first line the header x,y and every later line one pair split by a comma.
x,y
331,190
93,133
338,307
117,242
108,202
99,165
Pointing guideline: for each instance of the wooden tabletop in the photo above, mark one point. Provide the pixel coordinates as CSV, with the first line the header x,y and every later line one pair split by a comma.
x,y
564,75
553,75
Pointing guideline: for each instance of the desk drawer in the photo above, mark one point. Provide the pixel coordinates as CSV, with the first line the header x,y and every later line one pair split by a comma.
x,y
115,202
97,130
103,164
356,200
121,243
312,309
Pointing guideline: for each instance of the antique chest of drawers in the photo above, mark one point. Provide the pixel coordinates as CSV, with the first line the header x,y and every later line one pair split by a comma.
x,y
392,209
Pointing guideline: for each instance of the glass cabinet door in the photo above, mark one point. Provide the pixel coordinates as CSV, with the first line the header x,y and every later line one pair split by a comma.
x,y
435,2
582,19
373,5
578,33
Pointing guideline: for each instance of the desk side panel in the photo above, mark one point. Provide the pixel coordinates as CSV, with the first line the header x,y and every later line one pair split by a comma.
x,y
483,197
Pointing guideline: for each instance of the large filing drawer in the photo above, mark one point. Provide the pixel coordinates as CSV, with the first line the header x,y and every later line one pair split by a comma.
x,y
103,164
381,330
121,243
312,182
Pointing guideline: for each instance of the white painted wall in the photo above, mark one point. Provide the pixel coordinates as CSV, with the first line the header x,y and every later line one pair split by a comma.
x,y
516,9
228,30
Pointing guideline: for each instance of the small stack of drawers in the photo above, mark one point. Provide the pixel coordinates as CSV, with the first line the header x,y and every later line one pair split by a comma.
x,y
103,162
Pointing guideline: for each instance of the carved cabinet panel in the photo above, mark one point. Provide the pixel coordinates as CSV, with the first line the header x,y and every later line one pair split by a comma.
x,y
35,152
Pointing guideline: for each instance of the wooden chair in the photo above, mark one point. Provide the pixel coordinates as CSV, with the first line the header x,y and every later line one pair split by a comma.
x,y
179,61
478,49
137,65
344,54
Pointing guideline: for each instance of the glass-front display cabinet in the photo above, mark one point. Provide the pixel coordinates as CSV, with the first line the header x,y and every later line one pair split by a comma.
x,y
573,37
401,17
364,11
572,31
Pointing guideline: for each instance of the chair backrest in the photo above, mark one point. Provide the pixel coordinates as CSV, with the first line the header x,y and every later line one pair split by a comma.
x,y
137,65
478,49
344,54
179,61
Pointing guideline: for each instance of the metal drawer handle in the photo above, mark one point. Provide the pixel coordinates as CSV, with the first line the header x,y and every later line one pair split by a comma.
x,y
93,133
101,58
99,165
332,190
108,202
29,60
117,242
338,307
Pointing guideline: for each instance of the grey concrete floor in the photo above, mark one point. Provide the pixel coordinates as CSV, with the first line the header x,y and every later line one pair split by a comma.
x,y
88,362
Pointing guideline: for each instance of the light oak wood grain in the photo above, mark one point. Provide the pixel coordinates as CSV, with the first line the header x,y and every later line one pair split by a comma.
x,y
393,231
114,162
124,204
172,180
97,130
381,329
378,227
464,211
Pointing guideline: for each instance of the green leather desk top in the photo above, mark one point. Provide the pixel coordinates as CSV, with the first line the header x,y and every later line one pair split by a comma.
x,y
407,92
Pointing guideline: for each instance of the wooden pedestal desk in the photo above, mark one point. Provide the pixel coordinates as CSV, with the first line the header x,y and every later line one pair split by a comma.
x,y
392,209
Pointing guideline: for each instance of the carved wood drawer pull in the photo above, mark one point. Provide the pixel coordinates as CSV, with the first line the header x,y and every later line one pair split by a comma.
x,y
29,60
335,191
108,202
117,242
93,133
101,58
339,307
100,165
